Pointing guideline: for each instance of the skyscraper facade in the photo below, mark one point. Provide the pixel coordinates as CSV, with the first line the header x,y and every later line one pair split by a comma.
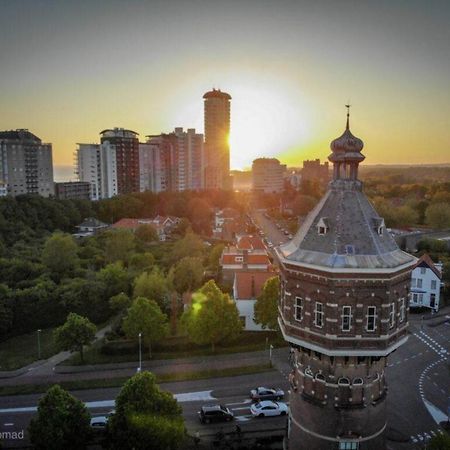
x,y
217,147
343,309
267,175
123,146
26,165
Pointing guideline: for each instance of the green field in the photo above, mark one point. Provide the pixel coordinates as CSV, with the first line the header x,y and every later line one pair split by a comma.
x,y
22,350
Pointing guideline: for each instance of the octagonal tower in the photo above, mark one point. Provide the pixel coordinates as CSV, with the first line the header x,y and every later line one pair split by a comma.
x,y
343,309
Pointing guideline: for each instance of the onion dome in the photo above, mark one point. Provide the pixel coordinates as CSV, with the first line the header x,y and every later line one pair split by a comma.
x,y
347,148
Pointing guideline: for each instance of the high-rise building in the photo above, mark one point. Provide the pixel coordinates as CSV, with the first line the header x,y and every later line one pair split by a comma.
x,y
267,175
26,165
123,146
343,309
79,190
217,147
314,171
172,161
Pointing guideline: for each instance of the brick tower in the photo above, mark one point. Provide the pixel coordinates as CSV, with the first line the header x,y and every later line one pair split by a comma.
x,y
343,309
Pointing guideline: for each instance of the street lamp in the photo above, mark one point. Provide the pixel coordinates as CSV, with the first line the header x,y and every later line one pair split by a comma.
x,y
39,342
140,353
270,354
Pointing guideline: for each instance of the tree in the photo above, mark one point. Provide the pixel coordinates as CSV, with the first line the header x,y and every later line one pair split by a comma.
x,y
187,274
439,442
437,215
62,422
213,316
152,285
303,204
77,332
146,417
214,257
141,261
146,233
266,306
190,245
6,315
120,302
145,316
119,243
115,279
60,254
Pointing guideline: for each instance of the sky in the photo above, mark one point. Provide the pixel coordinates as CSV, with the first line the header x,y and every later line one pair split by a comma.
x,y
71,69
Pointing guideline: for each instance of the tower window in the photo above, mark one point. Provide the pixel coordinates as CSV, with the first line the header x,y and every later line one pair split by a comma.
x,y
318,315
371,318
392,315
298,309
346,318
402,309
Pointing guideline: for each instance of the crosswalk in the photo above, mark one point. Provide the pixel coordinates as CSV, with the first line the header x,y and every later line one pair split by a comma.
x,y
420,438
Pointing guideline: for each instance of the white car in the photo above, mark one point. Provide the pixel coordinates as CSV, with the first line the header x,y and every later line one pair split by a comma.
x,y
99,422
267,408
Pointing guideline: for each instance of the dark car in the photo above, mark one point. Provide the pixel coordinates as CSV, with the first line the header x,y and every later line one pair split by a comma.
x,y
262,393
215,413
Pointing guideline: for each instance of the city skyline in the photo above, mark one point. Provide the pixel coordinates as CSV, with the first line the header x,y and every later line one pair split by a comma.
x,y
74,70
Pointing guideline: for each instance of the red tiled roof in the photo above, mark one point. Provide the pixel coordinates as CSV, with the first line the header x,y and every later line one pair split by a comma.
x,y
425,260
250,243
130,224
249,284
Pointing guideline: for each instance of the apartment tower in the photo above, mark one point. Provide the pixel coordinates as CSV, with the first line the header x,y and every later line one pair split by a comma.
x,y
217,147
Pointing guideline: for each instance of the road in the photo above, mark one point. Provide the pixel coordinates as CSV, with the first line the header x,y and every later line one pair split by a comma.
x,y
417,374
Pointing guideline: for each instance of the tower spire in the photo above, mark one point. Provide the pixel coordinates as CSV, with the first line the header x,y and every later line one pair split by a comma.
x,y
348,116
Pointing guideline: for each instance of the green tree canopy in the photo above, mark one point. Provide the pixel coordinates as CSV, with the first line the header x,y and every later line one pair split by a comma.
x,y
190,245
62,422
119,243
145,316
146,233
141,261
120,302
439,442
266,306
115,279
60,254
187,274
152,285
437,215
146,417
77,332
214,257
213,316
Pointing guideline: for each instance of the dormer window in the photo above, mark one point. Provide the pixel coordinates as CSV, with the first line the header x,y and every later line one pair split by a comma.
x,y
378,225
323,226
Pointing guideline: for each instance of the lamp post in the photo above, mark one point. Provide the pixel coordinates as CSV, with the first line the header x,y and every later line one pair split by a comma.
x,y
39,342
270,354
140,353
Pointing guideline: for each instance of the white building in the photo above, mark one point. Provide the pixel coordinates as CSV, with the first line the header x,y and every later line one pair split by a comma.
x,y
247,288
426,284
267,175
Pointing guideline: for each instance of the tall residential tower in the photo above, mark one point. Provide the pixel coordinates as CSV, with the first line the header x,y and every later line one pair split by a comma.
x,y
343,309
217,146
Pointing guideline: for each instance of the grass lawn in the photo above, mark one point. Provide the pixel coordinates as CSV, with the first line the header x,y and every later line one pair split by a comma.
x,y
118,382
21,350
179,347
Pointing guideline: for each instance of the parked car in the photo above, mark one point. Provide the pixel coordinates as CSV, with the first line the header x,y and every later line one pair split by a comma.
x,y
99,423
263,393
267,408
215,413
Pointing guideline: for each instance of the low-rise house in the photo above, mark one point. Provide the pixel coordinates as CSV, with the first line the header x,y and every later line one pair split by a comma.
x,y
247,287
228,222
426,284
90,226
162,224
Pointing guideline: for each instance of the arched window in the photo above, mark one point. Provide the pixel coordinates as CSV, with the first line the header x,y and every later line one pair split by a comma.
x,y
343,381
358,382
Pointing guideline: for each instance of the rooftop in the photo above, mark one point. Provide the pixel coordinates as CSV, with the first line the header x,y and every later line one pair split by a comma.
x,y
217,93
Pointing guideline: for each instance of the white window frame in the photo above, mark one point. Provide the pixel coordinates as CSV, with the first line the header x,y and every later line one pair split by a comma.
x,y
238,259
413,282
423,270
318,315
419,283
392,315
346,314
371,314
433,285
402,309
298,306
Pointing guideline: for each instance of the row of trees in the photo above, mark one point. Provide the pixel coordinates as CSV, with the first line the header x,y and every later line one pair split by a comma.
x,y
144,417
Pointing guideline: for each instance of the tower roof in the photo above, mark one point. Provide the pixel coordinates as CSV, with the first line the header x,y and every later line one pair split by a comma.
x,y
217,93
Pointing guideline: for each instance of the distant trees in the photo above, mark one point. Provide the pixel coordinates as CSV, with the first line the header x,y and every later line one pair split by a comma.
x,y
212,318
266,306
77,332
146,233
145,417
303,204
437,216
62,422
145,316
190,245
119,244
187,274
60,254
152,285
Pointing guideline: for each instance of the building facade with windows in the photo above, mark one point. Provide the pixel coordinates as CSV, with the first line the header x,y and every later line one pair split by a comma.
x,y
73,190
343,309
267,175
426,284
217,146
26,164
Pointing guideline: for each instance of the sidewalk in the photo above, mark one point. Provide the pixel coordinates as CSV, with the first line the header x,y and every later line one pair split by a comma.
x,y
45,367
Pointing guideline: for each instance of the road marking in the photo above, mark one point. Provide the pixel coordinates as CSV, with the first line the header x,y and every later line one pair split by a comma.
x,y
244,402
8,424
240,409
435,412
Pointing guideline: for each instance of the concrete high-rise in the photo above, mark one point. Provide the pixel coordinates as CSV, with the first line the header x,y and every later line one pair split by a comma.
x,y
343,309
267,175
26,165
217,146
